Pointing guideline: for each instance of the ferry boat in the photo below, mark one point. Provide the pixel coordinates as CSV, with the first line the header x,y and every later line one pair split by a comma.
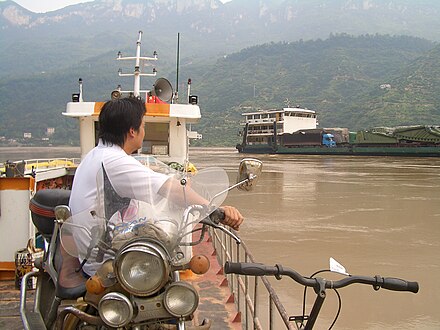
x,y
222,299
168,131
295,131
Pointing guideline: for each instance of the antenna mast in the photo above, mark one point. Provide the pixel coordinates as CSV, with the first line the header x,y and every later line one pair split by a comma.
x,y
177,69
137,68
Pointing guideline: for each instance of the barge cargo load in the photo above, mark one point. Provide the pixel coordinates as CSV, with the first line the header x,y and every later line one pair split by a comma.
x,y
280,132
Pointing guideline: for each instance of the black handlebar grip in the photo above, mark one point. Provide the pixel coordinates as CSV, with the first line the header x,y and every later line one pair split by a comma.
x,y
245,268
397,284
217,216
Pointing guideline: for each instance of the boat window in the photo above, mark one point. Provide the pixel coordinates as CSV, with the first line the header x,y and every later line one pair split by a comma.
x,y
156,139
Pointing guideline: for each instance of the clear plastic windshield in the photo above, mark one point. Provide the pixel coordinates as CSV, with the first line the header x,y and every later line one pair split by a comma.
x,y
167,215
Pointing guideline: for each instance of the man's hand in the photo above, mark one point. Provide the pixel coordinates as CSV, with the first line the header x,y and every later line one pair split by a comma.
x,y
233,217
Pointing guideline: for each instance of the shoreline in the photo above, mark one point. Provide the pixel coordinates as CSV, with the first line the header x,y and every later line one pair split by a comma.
x,y
23,153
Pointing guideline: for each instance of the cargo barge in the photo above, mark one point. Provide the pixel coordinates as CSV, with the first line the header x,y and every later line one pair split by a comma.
x,y
295,131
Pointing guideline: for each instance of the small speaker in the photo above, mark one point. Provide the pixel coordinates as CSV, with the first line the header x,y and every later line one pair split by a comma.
x,y
116,94
193,99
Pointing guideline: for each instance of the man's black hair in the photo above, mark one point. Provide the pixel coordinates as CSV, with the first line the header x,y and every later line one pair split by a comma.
x,y
117,117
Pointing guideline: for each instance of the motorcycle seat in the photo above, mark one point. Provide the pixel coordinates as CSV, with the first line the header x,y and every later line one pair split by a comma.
x,y
71,283
42,207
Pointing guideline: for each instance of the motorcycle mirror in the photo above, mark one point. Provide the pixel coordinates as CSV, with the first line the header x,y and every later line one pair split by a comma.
x,y
62,212
249,172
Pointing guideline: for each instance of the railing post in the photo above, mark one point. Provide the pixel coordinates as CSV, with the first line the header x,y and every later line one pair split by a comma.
x,y
237,277
256,307
270,312
246,285
229,258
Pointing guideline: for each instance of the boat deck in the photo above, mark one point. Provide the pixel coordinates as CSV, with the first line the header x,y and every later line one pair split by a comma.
x,y
10,306
216,300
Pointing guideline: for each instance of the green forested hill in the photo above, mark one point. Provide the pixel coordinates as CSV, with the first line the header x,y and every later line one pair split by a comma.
x,y
339,77
414,97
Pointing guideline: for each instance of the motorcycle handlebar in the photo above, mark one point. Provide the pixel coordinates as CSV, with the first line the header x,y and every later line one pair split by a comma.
x,y
255,269
217,216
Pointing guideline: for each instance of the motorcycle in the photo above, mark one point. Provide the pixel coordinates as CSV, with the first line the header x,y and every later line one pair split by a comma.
x,y
136,247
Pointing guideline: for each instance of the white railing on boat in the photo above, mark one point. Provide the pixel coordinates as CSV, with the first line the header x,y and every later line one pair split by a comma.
x,y
46,163
248,298
253,132
264,121
26,167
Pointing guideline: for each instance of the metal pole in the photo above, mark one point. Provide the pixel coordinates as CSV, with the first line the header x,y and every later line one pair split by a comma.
x,y
137,76
237,277
178,64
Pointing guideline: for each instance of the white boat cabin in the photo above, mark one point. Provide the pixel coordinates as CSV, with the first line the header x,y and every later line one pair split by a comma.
x,y
261,124
167,128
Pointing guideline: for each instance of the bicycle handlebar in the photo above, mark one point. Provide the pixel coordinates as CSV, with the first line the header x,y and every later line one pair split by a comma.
x,y
256,269
397,284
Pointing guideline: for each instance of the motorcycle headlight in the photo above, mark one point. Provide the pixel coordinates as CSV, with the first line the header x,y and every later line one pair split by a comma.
x,y
142,268
181,299
115,309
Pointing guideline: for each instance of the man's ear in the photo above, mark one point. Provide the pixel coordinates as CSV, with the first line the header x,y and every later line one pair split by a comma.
x,y
131,132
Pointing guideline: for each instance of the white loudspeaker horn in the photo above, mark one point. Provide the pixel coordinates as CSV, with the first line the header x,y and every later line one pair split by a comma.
x,y
163,90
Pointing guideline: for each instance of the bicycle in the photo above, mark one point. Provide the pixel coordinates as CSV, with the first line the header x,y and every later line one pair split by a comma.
x,y
320,285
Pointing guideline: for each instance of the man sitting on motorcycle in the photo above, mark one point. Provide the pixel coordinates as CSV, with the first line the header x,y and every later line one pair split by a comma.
x,y
121,133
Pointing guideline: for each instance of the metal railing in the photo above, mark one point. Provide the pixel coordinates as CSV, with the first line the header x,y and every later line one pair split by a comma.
x,y
268,131
46,163
261,309
23,167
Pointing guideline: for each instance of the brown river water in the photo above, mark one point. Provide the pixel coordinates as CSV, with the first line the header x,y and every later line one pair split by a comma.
x,y
375,215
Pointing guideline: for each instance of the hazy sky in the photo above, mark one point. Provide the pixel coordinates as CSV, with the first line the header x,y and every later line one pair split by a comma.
x,y
42,6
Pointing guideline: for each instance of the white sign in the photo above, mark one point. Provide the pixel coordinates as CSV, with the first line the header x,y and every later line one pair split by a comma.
x,y
337,267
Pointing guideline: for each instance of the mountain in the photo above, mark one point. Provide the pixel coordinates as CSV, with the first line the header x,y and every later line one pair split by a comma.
x,y
413,96
34,42
339,77
330,56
